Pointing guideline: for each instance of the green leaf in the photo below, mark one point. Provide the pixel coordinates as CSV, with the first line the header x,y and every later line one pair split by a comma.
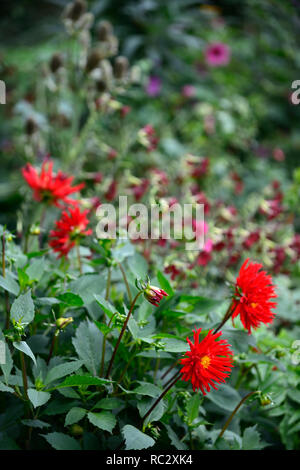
x,y
88,343
107,307
103,420
109,403
62,370
22,346
5,388
226,397
251,439
23,308
35,423
148,389
7,367
36,269
74,415
135,439
86,286
192,407
9,284
174,439
138,265
79,380
164,283
72,300
61,441
172,344
38,398
156,414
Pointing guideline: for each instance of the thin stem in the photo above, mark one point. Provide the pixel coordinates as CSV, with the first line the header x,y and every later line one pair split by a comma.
x,y
78,258
126,282
42,219
234,412
126,367
121,334
54,339
24,374
108,282
6,297
169,370
228,314
175,378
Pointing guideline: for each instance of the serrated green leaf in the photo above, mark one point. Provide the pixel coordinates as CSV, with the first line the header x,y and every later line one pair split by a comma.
x,y
9,284
103,420
136,439
38,398
61,441
74,415
23,346
62,370
23,308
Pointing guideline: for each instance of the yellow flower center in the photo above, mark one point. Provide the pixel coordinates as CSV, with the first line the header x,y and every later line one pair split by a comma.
x,y
205,361
254,305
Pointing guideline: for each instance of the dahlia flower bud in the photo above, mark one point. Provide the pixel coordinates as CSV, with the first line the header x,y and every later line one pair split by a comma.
x,y
62,322
154,294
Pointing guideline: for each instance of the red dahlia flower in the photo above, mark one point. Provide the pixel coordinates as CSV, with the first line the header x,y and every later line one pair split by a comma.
x,y
154,295
207,361
48,187
70,228
253,293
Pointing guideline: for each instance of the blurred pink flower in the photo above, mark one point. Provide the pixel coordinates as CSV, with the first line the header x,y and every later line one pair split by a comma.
x,y
217,54
188,91
153,87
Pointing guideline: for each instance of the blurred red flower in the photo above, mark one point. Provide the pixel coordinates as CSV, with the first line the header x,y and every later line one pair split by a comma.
x,y
207,362
252,298
48,187
69,230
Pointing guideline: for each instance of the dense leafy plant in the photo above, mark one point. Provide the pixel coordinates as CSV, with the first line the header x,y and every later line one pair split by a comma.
x,y
93,350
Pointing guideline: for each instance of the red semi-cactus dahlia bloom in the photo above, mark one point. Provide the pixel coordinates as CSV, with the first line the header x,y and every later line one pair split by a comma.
x,y
70,228
207,361
48,187
253,293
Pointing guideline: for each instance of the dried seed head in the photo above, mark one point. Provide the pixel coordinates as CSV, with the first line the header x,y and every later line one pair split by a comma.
x,y
76,10
101,86
30,126
104,30
121,67
56,62
93,60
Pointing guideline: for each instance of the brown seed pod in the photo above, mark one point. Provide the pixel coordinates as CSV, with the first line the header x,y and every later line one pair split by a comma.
x,y
76,10
56,62
104,30
93,60
101,86
121,66
30,126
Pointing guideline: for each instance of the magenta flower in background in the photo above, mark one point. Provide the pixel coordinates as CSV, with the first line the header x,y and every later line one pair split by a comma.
x,y
188,91
153,87
217,54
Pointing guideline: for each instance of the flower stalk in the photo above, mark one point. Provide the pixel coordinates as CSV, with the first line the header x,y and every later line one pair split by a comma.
x,y
121,334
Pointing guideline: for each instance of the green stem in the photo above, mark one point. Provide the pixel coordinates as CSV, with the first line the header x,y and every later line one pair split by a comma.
x,y
126,282
24,374
54,339
228,314
42,220
6,297
108,282
121,334
234,412
78,258
175,378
